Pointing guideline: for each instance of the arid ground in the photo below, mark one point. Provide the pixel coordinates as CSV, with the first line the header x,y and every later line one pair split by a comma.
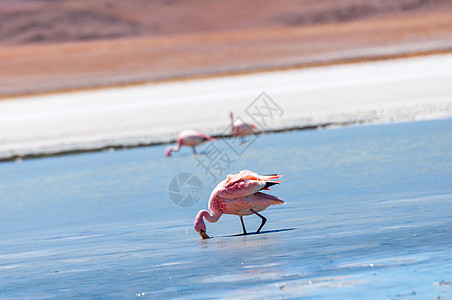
x,y
62,45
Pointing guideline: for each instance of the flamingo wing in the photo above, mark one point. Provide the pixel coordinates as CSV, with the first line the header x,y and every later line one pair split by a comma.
x,y
242,206
245,183
241,189
246,174
205,136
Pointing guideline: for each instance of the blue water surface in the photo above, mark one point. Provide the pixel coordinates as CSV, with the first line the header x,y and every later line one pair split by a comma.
x,y
368,216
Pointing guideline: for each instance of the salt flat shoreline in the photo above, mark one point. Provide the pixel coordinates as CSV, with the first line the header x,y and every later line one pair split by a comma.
x,y
406,89
325,62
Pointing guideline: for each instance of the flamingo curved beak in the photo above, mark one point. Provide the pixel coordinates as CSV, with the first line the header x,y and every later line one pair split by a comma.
x,y
203,234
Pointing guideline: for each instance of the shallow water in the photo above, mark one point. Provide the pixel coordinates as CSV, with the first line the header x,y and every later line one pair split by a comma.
x,y
368,215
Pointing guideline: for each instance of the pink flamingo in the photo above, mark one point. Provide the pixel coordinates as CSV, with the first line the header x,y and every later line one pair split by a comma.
x,y
191,138
238,195
240,128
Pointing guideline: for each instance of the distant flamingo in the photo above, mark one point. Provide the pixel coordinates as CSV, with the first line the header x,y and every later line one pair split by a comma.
x,y
191,138
240,128
238,195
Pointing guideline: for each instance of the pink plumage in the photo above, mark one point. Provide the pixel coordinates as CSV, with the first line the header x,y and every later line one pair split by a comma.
x,y
240,195
190,138
240,128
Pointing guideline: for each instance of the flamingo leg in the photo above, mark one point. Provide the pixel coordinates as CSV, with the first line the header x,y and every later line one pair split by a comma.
x,y
243,226
194,150
264,219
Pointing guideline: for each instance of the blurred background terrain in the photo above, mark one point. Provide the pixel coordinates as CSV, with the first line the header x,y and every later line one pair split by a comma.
x,y
52,45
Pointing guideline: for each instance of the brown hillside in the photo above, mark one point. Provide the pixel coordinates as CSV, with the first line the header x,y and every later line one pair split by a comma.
x,y
48,45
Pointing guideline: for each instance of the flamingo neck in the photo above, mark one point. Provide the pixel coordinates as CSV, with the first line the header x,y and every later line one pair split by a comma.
x,y
211,218
204,214
234,127
177,146
173,148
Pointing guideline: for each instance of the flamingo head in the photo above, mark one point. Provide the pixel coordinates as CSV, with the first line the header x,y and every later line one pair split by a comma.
x,y
168,151
204,235
200,226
